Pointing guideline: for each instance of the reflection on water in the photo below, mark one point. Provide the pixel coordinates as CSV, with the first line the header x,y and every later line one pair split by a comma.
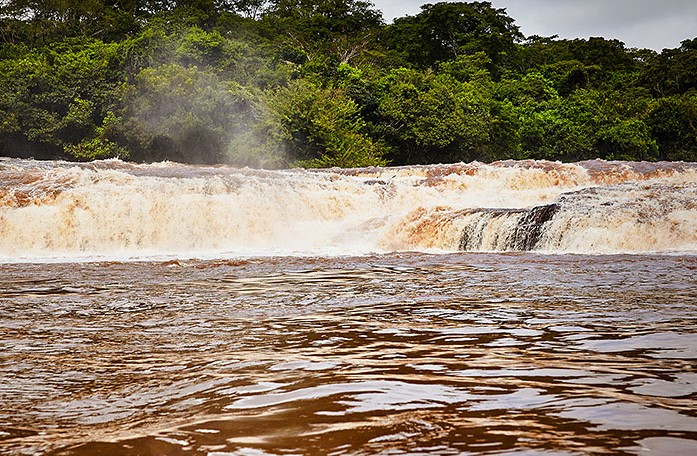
x,y
393,354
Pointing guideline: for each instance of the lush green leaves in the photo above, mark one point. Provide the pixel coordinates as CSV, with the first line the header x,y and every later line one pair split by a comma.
x,y
444,31
291,82
324,127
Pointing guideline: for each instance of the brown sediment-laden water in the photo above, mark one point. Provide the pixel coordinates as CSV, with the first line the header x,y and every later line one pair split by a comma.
x,y
512,308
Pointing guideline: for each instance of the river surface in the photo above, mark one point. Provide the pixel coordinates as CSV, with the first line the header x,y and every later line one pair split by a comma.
x,y
464,353
516,308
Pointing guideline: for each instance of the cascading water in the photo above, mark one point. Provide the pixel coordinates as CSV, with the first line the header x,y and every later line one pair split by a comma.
x,y
117,209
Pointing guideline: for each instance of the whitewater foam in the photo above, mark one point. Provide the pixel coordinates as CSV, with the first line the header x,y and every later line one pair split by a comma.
x,y
111,209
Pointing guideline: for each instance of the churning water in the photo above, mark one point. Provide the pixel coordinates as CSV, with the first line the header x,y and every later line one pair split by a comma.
x,y
118,210
513,308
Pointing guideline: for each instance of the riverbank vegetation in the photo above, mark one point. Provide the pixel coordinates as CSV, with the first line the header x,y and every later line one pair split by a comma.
x,y
327,83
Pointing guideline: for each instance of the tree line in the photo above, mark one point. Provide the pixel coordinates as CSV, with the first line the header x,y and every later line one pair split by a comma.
x,y
278,83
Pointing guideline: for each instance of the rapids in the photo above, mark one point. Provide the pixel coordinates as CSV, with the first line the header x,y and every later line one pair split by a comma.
x,y
116,210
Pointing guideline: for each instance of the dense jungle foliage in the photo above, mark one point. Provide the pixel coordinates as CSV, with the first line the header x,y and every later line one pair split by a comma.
x,y
327,83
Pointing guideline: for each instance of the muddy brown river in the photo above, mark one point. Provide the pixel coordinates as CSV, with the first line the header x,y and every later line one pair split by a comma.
x,y
463,353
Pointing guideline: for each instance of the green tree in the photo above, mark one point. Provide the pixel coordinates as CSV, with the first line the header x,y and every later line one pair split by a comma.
x,y
252,9
58,96
341,29
179,113
443,31
673,123
322,127
40,22
530,90
673,71
628,139
434,118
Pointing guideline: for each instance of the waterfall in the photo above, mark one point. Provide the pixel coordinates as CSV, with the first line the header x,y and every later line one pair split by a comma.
x,y
121,210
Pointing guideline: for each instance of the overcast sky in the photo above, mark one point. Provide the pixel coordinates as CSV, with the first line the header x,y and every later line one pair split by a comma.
x,y
653,24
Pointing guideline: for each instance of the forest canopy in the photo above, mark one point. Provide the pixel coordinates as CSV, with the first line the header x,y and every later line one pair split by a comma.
x,y
327,83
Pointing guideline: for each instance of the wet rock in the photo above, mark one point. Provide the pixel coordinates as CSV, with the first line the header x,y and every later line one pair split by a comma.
x,y
531,226
522,235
